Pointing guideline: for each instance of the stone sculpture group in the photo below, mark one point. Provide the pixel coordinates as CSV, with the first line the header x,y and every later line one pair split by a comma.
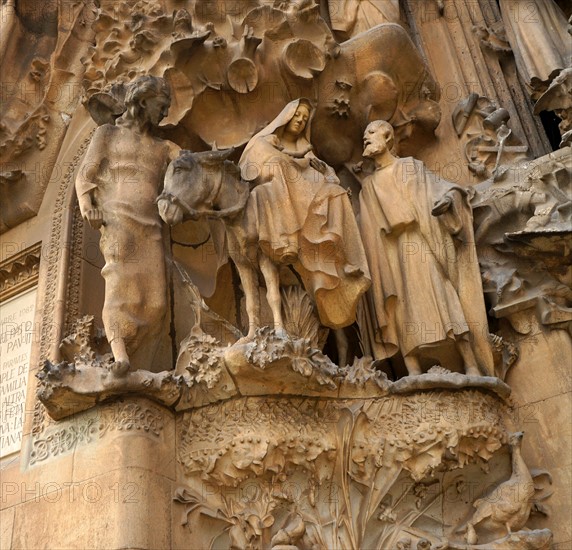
x,y
345,348
415,231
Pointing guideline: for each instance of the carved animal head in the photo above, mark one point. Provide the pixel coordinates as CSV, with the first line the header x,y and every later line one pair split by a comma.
x,y
515,439
192,184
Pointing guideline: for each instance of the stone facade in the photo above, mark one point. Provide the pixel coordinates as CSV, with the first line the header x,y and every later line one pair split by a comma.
x,y
285,274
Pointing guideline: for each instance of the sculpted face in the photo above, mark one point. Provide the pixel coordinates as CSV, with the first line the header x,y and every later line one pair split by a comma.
x,y
156,108
299,120
376,140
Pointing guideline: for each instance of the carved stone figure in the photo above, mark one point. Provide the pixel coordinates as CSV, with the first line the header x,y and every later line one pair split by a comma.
x,y
303,217
537,34
351,17
117,185
426,287
508,505
222,423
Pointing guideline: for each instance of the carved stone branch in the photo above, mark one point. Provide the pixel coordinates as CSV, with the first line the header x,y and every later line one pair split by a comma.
x,y
367,466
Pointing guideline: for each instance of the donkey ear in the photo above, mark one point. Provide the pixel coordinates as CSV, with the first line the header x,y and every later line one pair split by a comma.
x,y
216,156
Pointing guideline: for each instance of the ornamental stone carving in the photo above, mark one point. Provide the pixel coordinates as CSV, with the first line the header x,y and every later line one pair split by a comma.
x,y
264,301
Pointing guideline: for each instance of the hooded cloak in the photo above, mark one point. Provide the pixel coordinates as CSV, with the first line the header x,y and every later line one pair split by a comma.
x,y
301,212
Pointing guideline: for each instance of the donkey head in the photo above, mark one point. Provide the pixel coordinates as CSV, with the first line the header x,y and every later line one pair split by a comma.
x,y
189,183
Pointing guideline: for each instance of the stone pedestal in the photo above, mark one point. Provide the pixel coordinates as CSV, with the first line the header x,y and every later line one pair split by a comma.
x,y
108,471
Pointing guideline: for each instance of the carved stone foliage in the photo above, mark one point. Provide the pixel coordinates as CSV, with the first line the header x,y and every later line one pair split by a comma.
x,y
306,473
19,272
127,417
218,54
41,75
523,240
209,372
66,389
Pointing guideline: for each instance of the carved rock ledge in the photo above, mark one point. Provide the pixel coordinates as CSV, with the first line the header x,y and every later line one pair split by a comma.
x,y
539,539
65,389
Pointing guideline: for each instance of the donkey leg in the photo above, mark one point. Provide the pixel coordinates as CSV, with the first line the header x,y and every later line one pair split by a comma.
x,y
249,280
343,345
271,276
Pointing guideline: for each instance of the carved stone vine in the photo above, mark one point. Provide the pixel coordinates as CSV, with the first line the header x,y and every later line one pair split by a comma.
x,y
128,417
336,474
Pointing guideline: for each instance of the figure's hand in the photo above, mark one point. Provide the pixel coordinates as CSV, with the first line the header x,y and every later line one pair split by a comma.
x,y
318,165
94,216
442,205
297,154
275,142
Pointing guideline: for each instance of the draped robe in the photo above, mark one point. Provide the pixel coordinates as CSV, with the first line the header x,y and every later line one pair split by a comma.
x,y
537,33
126,182
426,285
297,208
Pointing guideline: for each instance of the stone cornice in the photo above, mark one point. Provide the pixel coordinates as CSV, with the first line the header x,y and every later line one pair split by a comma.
x,y
20,272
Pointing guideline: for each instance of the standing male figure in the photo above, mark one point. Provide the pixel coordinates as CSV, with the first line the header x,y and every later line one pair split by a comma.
x,y
426,286
118,182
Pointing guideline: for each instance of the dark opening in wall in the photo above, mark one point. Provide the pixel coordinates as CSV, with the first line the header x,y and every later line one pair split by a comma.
x,y
550,122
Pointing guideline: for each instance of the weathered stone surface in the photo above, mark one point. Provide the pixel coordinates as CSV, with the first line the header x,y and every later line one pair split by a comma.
x,y
66,390
228,378
352,450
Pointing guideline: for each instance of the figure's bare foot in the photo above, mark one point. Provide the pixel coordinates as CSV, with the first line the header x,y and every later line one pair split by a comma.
x,y
119,368
472,370
248,338
469,359
119,351
412,365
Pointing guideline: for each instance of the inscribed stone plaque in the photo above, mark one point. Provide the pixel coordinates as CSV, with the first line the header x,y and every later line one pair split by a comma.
x,y
16,336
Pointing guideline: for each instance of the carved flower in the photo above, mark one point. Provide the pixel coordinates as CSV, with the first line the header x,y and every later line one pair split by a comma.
x,y
219,42
387,514
341,107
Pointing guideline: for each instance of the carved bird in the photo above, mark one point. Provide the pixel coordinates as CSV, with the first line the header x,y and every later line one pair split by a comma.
x,y
290,534
510,503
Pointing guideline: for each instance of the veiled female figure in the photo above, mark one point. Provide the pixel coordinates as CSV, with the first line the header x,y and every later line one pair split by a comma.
x,y
303,217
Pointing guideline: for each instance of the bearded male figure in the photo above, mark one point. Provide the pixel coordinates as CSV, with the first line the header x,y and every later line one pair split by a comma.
x,y
117,184
426,287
